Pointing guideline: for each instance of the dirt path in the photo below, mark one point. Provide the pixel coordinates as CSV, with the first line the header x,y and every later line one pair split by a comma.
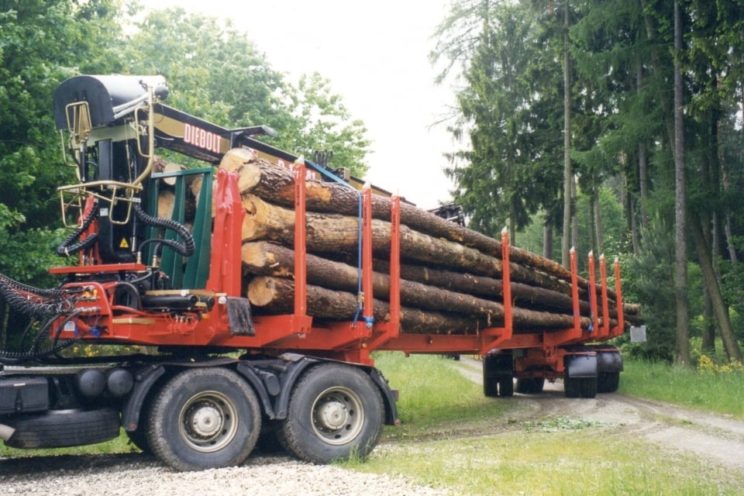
x,y
713,437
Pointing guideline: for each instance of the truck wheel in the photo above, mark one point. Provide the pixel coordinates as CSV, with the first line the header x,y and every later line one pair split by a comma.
x,y
588,387
335,411
571,387
530,385
490,387
204,418
608,382
506,386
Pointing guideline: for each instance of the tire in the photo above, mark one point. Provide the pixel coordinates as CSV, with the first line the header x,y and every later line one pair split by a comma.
x,y
490,387
539,385
62,428
506,386
530,385
335,412
571,387
204,418
608,382
588,387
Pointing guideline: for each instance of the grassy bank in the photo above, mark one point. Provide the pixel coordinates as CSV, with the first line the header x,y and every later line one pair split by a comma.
x,y
586,461
434,399
719,392
491,448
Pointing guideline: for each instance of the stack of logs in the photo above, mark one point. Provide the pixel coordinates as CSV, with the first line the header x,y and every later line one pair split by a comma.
x,y
450,275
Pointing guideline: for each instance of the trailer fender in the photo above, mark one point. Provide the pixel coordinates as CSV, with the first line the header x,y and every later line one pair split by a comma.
x,y
389,397
144,380
609,361
295,368
265,384
581,365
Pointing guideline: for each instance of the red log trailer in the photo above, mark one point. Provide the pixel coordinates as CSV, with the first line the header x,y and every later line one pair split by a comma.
x,y
222,375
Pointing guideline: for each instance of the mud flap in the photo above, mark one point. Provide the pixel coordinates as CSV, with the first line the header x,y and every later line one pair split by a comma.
x,y
582,365
239,316
609,362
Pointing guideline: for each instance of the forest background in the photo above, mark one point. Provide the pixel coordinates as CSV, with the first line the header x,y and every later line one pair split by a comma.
x,y
613,126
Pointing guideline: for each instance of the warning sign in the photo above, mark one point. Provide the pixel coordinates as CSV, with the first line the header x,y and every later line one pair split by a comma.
x,y
123,243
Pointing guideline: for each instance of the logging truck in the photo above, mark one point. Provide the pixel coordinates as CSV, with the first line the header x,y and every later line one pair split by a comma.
x,y
245,297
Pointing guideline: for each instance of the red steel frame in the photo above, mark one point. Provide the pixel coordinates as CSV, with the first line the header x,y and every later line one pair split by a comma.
x,y
352,340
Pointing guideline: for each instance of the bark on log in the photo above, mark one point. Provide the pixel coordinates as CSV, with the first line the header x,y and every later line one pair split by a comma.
x,y
331,233
420,287
277,296
523,295
276,185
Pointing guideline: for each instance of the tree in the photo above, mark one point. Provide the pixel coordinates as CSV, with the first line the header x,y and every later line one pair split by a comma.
x,y
682,351
228,81
321,122
508,170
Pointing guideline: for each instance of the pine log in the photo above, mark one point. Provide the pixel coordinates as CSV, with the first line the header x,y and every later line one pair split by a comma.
x,y
331,233
426,289
277,296
276,185
523,295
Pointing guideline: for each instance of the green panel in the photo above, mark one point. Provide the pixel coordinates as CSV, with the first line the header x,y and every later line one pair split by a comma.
x,y
172,262
197,268
194,273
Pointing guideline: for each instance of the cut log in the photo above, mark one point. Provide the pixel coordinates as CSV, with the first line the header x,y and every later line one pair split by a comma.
x,y
276,295
481,312
523,295
331,233
426,289
276,185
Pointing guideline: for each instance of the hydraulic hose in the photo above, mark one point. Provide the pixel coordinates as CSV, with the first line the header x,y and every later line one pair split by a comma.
x,y
71,244
33,301
185,249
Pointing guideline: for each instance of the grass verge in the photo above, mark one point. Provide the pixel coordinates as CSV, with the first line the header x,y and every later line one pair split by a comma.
x,y
120,444
703,390
550,463
486,446
435,401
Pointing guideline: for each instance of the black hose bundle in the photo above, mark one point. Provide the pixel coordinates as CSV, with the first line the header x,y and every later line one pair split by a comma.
x,y
47,305
33,301
185,249
71,245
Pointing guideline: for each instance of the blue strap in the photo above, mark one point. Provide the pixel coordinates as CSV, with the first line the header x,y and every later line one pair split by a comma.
x,y
325,172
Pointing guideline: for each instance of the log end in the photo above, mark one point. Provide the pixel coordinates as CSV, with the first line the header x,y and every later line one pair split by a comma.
x,y
263,291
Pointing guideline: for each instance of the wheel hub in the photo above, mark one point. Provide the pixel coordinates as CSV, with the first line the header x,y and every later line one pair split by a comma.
x,y
333,415
337,415
206,421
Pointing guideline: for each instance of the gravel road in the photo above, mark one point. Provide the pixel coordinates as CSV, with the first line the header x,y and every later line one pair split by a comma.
x,y
716,438
135,474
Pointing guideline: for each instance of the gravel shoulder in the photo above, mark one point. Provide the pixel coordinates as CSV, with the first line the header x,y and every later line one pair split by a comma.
x,y
714,438
137,474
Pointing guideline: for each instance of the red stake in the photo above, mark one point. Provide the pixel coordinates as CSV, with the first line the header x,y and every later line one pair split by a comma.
x,y
619,300
300,246
575,293
394,267
605,302
506,283
368,314
593,295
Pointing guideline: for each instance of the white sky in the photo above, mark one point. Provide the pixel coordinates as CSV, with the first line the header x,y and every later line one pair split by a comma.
x,y
376,56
